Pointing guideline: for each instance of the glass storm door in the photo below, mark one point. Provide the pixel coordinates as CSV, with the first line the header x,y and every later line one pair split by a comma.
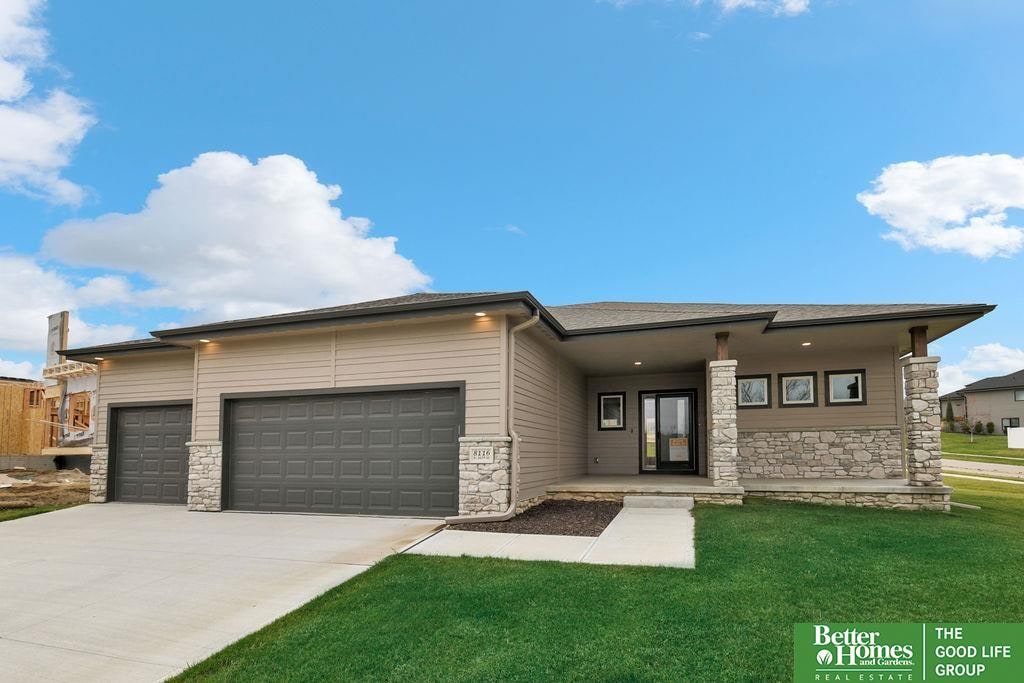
x,y
667,442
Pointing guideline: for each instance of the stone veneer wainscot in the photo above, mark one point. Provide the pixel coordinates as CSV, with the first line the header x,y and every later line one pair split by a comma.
x,y
204,475
98,474
484,487
842,452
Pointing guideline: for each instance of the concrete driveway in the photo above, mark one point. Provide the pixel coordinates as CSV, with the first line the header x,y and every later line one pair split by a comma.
x,y
138,592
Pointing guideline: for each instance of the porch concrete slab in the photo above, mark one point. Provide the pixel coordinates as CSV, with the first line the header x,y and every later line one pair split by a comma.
x,y
684,502
669,484
661,537
137,592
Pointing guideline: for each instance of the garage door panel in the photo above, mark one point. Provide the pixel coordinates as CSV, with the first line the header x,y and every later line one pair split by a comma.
x,y
150,457
377,453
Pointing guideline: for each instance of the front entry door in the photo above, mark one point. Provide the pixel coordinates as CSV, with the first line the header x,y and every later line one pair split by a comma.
x,y
668,437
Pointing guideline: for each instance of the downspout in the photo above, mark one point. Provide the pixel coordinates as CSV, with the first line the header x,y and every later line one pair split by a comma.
x,y
513,475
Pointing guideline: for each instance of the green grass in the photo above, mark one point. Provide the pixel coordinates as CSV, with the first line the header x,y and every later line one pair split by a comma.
x,y
760,568
6,515
983,445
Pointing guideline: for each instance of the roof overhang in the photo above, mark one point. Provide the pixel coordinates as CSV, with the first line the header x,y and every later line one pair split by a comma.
x,y
939,321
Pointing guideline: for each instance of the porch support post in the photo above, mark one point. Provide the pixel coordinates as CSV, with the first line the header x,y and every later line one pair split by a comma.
x,y
923,421
722,433
721,346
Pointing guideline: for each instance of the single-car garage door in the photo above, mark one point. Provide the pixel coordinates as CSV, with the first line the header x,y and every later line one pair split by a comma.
x,y
150,457
380,453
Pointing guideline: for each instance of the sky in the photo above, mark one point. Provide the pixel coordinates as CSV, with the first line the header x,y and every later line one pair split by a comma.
x,y
171,163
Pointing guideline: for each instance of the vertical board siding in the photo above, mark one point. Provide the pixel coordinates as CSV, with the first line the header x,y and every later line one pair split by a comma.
x,y
149,377
445,351
883,388
17,426
550,413
618,451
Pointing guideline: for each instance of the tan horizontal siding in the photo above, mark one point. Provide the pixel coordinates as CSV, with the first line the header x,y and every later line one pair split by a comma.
x,y
618,451
467,351
881,380
146,377
550,402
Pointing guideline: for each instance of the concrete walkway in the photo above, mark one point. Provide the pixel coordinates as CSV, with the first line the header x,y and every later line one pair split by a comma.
x,y
649,531
125,592
990,469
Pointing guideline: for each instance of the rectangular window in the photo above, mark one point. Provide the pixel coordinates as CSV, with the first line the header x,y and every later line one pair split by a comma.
x,y
611,411
798,389
1018,395
79,410
35,398
845,387
1010,422
753,391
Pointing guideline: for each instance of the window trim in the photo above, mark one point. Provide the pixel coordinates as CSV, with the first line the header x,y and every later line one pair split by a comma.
x,y
767,392
863,400
1018,392
783,376
621,395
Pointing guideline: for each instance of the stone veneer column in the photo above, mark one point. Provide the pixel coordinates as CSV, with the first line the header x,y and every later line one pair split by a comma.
x,y
923,421
98,474
204,475
722,433
484,484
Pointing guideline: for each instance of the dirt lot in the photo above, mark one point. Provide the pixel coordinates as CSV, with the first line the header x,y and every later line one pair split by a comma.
x,y
26,488
557,517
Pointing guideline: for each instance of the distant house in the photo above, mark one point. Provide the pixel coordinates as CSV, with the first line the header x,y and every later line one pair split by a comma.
x,y
999,400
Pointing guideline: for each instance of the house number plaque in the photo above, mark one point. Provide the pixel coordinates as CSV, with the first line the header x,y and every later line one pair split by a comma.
x,y
481,454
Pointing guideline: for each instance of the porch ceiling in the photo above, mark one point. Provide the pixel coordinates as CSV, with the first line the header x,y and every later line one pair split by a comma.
x,y
688,348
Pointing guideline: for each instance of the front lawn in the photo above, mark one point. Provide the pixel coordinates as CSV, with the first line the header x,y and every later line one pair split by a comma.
x,y
954,443
760,568
17,513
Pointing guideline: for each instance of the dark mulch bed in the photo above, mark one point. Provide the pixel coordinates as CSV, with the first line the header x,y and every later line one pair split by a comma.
x,y
558,517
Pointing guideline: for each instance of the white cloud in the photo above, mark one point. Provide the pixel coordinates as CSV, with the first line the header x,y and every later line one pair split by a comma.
x,y
986,360
787,8
226,238
31,292
515,230
954,203
37,134
21,370
699,36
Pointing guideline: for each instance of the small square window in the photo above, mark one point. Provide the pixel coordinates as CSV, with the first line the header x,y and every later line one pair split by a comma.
x,y
753,391
845,387
1018,395
611,411
798,389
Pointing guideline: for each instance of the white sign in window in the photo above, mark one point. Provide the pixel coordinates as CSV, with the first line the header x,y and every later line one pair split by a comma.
x,y
611,411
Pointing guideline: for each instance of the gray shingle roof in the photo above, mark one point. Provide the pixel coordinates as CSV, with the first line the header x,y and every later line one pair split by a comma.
x,y
1014,380
586,318
618,313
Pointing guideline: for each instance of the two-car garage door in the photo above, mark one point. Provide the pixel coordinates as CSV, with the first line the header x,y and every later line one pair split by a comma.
x,y
379,453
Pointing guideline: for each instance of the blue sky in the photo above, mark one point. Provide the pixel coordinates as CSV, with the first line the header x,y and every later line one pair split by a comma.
x,y
678,151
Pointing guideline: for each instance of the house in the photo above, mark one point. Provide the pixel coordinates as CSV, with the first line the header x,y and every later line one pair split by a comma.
x,y
999,400
482,404
70,401
952,407
22,429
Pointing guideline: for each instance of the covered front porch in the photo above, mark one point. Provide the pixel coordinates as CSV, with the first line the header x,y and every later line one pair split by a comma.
x,y
662,417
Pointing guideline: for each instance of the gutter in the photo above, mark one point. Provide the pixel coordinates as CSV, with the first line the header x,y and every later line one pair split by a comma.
x,y
513,475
